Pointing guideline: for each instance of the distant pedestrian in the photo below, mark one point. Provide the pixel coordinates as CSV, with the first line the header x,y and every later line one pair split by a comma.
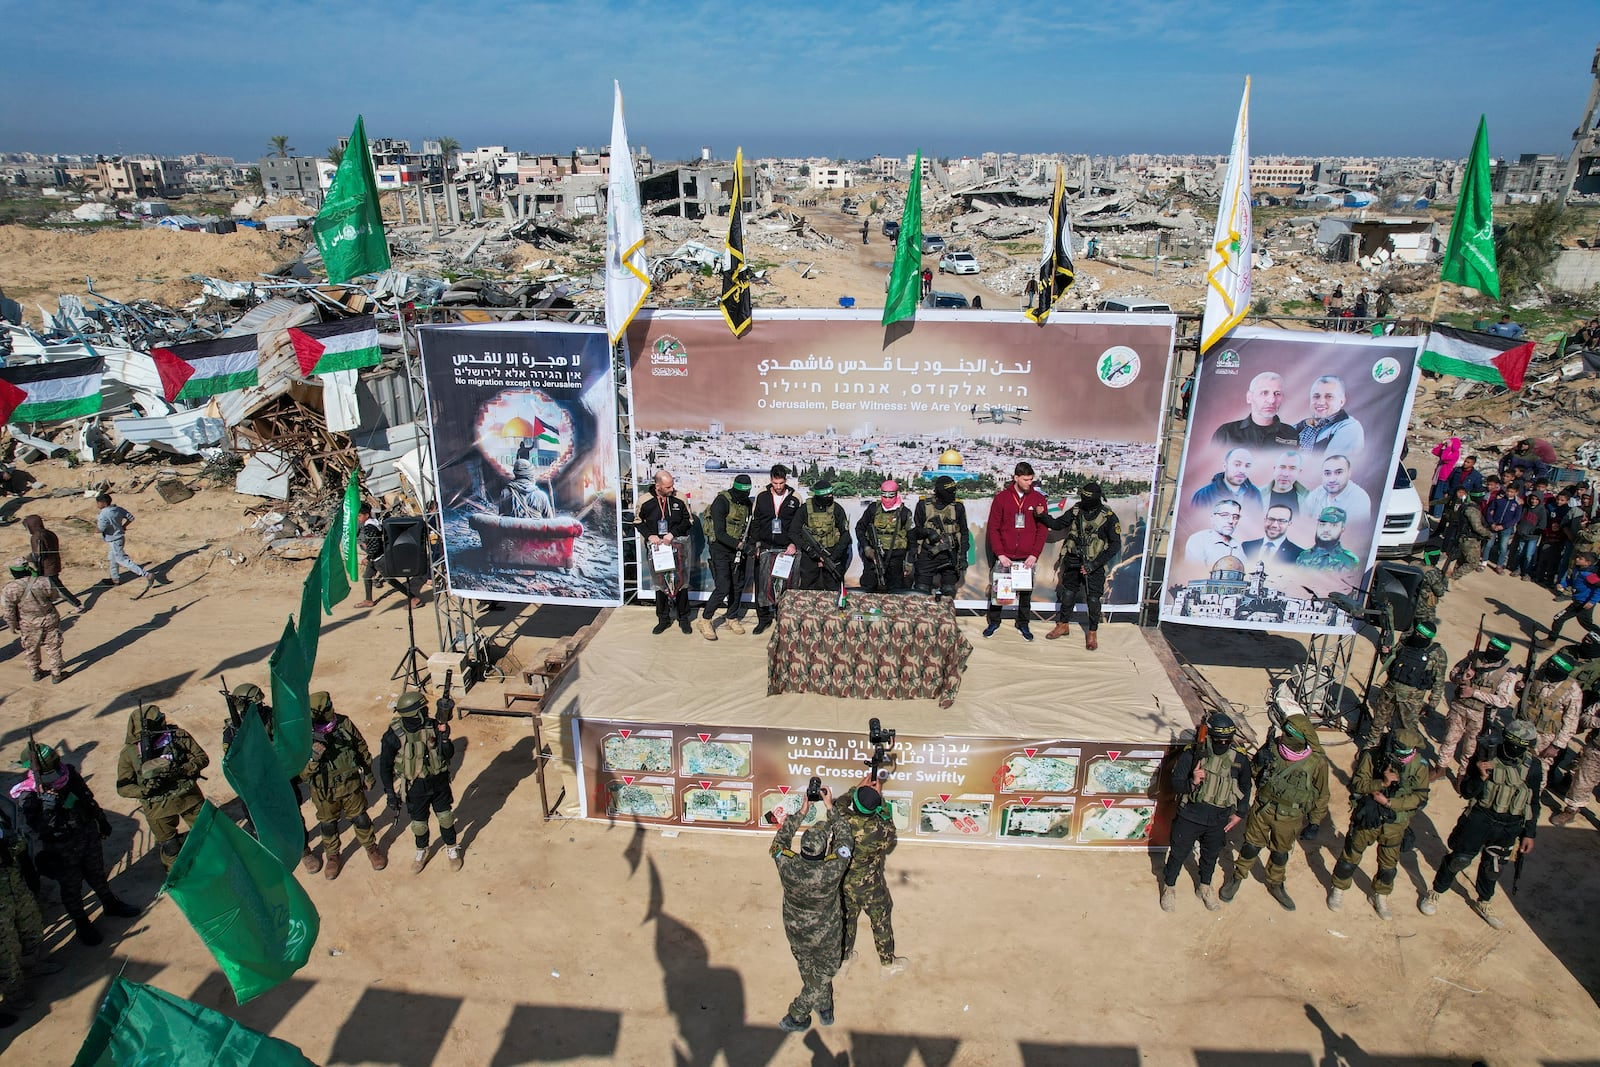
x,y
44,550
1030,291
865,229
927,281
113,523
977,303
1506,328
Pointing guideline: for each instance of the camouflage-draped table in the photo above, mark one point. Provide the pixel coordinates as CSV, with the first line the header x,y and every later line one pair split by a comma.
x,y
881,647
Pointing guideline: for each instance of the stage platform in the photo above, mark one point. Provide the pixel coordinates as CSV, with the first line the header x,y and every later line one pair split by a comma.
x,y
1045,743
1011,688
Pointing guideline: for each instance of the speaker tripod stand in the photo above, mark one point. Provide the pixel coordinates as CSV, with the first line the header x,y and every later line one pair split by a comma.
x,y
413,662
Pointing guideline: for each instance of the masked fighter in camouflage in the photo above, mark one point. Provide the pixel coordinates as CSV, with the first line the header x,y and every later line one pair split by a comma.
x,y
1093,541
340,773
62,817
160,767
869,820
1291,795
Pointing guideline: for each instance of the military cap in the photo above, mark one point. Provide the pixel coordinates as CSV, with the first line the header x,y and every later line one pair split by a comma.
x,y
1332,514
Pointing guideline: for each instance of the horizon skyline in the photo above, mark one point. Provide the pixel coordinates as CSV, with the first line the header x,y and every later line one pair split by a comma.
x,y
1148,79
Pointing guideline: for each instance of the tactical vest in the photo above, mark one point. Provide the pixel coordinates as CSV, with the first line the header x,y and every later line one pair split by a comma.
x,y
734,524
1411,667
892,533
1489,682
946,524
419,755
1288,786
1546,710
340,763
1084,540
822,526
1506,792
64,814
1220,789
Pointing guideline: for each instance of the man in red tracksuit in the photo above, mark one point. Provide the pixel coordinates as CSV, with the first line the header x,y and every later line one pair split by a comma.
x,y
1016,536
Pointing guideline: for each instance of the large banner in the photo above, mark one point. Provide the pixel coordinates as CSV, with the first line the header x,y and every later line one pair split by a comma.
x,y
1292,446
834,395
524,423
1044,791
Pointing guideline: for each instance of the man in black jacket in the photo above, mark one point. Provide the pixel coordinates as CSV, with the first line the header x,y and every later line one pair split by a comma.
x,y
665,521
775,507
1212,781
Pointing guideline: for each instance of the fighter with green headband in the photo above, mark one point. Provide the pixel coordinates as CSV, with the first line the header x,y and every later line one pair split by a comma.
x,y
1433,588
1486,685
869,819
1417,671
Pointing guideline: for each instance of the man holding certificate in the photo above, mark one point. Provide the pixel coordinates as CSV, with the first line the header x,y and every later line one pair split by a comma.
x,y
665,521
1015,539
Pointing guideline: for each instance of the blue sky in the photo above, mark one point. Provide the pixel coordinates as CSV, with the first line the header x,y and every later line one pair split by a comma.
x,y
819,78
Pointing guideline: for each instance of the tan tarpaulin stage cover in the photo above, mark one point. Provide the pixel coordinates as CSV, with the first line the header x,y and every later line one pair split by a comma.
x,y
1011,688
1118,698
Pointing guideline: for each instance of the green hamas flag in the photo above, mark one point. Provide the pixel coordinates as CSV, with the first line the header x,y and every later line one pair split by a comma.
x,y
1469,256
333,584
291,703
905,281
139,1024
308,624
351,530
251,767
251,913
349,228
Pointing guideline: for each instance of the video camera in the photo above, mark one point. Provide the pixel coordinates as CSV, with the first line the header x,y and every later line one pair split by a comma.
x,y
814,790
882,742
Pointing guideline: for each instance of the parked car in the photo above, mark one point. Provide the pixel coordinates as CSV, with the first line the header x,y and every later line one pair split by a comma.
x,y
1405,527
1133,305
891,228
938,299
932,243
959,263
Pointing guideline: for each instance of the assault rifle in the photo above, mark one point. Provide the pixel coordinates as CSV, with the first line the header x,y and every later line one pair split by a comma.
x,y
1477,647
1527,676
1369,814
739,555
812,547
877,552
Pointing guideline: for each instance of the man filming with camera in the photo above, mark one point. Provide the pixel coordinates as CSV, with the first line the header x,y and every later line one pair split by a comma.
x,y
869,820
812,903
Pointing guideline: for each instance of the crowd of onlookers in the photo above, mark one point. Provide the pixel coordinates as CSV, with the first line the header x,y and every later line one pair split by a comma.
x,y
1535,526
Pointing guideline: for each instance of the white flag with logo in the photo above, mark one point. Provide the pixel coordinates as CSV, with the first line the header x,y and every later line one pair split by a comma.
x,y
627,267
1228,265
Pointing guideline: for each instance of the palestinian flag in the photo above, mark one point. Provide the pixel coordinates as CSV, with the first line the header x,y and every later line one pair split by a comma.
x,y
205,368
343,344
49,392
1482,357
545,435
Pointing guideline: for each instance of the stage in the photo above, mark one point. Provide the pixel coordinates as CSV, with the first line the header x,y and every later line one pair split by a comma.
x,y
1044,743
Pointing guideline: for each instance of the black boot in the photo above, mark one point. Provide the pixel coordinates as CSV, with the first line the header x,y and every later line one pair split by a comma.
x,y
117,907
86,931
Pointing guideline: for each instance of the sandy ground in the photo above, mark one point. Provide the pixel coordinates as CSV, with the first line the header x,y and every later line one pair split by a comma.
x,y
36,266
584,943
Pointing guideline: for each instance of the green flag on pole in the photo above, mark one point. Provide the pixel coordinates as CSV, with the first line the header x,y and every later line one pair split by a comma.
x,y
251,767
251,913
351,530
142,1024
291,703
1469,255
905,280
349,228
308,624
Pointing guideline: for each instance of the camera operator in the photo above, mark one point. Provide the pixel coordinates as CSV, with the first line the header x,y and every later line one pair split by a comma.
x,y
869,820
812,911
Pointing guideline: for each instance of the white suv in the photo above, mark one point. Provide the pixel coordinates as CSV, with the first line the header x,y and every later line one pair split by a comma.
x,y
1405,525
958,263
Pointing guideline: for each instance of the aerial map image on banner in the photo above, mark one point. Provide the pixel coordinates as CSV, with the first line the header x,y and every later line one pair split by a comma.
x,y
832,395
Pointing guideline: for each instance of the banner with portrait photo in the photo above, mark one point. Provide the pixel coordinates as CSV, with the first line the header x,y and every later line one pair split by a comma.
x,y
834,397
1292,444
524,423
